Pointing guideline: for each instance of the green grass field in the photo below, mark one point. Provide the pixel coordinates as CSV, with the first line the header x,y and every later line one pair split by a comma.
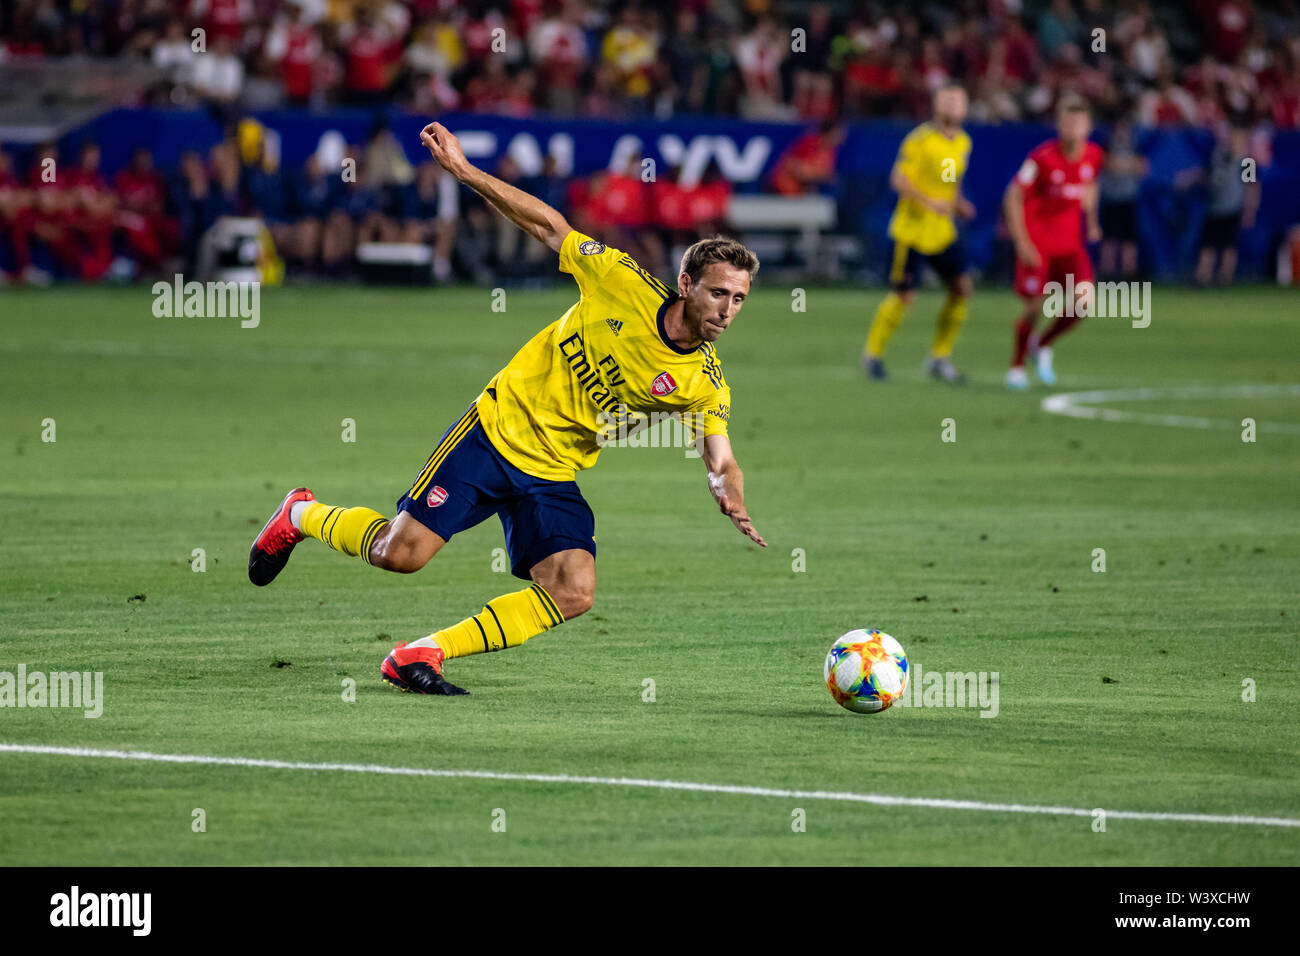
x,y
1119,690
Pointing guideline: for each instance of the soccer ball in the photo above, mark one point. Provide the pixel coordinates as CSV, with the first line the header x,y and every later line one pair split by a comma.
x,y
866,671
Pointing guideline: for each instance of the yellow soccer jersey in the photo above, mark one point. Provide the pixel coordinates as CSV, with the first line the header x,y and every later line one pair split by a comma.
x,y
578,379
935,165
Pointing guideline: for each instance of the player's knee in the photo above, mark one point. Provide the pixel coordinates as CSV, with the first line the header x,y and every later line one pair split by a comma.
x,y
394,554
963,286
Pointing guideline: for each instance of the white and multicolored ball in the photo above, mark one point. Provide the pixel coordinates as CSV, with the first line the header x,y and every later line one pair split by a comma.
x,y
866,671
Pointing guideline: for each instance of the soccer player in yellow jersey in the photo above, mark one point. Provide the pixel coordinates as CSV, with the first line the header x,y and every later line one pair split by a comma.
x,y
927,176
630,346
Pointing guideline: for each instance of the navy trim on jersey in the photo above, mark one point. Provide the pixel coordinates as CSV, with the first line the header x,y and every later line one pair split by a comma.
x,y
711,365
659,289
663,331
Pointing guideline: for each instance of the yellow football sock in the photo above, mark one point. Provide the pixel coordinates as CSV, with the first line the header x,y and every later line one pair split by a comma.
x,y
888,316
506,621
951,316
350,530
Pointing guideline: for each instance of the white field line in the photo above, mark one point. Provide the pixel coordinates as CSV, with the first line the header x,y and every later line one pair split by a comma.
x,y
564,778
1079,405
261,355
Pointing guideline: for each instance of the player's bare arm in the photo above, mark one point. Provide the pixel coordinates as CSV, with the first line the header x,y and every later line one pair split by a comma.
x,y
1250,208
529,213
965,209
899,182
1091,203
727,485
1013,207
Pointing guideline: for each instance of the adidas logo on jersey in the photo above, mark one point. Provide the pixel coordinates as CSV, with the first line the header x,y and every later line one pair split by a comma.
x,y
615,325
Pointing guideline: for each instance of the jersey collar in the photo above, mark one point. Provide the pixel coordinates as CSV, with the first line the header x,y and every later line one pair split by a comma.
x,y
663,331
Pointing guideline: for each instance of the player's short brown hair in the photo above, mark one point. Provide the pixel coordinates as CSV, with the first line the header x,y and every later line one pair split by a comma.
x,y
1073,103
718,249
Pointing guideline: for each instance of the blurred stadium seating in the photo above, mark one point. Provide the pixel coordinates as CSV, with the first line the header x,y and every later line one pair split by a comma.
x,y
163,116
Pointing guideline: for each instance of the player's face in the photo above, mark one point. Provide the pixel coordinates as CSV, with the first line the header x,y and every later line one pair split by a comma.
x,y
1074,128
950,106
712,303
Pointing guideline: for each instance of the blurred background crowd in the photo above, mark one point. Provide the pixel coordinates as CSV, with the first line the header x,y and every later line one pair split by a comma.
x,y
1187,61
1229,66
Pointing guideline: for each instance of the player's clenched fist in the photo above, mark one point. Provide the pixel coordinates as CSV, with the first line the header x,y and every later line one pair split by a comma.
x,y
445,148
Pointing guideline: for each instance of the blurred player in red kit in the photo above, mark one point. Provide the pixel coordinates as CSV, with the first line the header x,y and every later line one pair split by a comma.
x,y
1057,182
142,198
95,214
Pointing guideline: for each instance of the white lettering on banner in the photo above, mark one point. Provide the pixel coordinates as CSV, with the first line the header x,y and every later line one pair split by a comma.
x,y
739,164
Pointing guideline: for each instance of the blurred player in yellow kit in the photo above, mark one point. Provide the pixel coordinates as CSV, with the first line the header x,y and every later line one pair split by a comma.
x,y
629,347
927,176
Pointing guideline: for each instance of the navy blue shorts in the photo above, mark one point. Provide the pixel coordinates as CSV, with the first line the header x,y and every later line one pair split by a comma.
x,y
466,481
905,264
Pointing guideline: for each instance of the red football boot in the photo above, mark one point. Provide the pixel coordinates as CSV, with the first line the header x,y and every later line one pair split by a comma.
x,y
271,549
417,670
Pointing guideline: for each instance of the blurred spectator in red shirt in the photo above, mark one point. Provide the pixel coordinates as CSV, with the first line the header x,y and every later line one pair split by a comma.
x,y
369,55
1167,105
495,91
478,32
15,221
559,48
708,201
809,162
671,204
89,212
872,84
142,212
1021,53
222,18
625,198
1285,105
295,46
54,210
1224,24
759,54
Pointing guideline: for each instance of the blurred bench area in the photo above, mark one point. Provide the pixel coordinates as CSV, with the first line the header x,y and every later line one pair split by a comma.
x,y
132,192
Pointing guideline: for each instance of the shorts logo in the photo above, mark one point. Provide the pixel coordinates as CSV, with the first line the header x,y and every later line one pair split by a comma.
x,y
663,385
437,495
591,248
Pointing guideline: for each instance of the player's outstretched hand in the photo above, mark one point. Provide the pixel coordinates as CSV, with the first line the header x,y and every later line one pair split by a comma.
x,y
740,519
445,148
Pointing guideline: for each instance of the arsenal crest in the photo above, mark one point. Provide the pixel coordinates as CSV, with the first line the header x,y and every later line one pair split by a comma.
x,y
437,495
663,385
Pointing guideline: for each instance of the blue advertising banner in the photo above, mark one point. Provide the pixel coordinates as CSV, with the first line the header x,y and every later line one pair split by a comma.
x,y
1170,212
